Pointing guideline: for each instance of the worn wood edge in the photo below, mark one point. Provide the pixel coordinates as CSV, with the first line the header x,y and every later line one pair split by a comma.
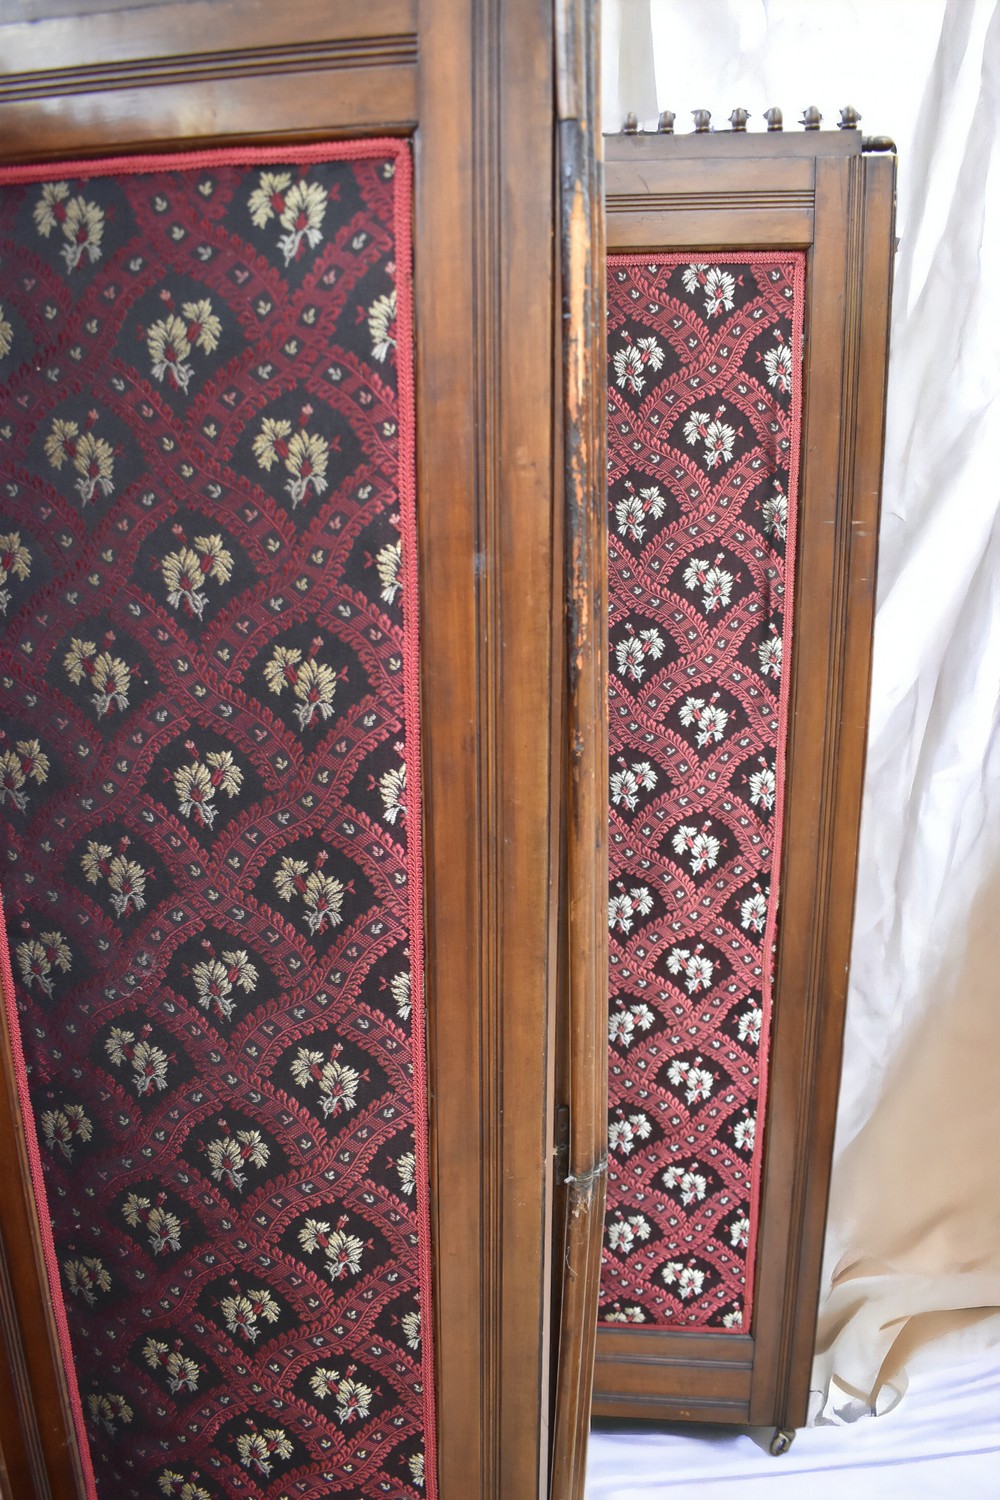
x,y
584,998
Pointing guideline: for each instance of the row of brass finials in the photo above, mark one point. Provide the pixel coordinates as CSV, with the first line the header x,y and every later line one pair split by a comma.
x,y
811,120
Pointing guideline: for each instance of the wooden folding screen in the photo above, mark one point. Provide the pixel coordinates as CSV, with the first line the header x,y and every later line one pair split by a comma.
x,y
748,277
507,296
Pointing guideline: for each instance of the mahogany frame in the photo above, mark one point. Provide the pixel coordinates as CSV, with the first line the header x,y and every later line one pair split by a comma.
x,y
508,288
821,193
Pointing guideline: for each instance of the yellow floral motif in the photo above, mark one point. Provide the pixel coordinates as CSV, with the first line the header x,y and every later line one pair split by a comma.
x,y
186,571
171,339
181,1370
300,208
109,1410
62,1128
322,895
388,564
196,784
125,879
179,1488
305,455
19,766
312,683
86,1277
92,457
162,1227
381,325
108,676
38,957
15,562
81,223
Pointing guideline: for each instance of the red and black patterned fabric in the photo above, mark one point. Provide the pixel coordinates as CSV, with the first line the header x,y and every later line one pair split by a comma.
x,y
704,362
209,790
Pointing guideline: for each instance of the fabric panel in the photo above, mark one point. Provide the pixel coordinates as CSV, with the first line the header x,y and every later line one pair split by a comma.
x,y
210,792
704,362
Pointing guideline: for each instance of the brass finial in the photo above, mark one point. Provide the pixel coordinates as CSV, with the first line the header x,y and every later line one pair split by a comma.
x,y
665,124
702,121
849,118
738,119
774,118
811,118
631,125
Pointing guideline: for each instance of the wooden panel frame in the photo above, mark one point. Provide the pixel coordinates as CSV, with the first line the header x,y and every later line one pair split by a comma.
x,y
819,192
473,84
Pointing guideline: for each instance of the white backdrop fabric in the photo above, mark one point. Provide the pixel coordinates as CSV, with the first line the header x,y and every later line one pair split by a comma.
x,y
911,1279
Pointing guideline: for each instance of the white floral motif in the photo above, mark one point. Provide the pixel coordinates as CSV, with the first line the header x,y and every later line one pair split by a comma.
x,y
769,654
341,1251
623,1023
763,787
633,511
745,1133
691,1182
696,969
623,1233
753,912
623,1134
739,1233
775,513
171,340
162,1227
148,1062
6,335
627,783
392,790
750,1023
196,784
717,436
411,1328
733,1318
709,717
186,571
625,1315
400,988
256,1449
244,1311
719,286
631,360
625,907
125,879
632,652
688,1279
701,846
694,1079
715,582
388,564
778,364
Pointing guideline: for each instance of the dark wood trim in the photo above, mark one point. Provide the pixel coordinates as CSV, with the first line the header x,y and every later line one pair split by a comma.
x,y
673,1374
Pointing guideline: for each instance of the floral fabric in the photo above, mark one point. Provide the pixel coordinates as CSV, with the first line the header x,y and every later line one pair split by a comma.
x,y
208,790
702,398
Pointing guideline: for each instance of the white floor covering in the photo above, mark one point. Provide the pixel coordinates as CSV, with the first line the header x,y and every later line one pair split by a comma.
x,y
941,1442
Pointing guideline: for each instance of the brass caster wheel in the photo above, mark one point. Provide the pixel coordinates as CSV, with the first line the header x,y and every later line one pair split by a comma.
x,y
782,1440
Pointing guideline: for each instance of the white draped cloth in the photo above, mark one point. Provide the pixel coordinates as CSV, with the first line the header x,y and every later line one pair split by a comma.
x,y
911,1278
